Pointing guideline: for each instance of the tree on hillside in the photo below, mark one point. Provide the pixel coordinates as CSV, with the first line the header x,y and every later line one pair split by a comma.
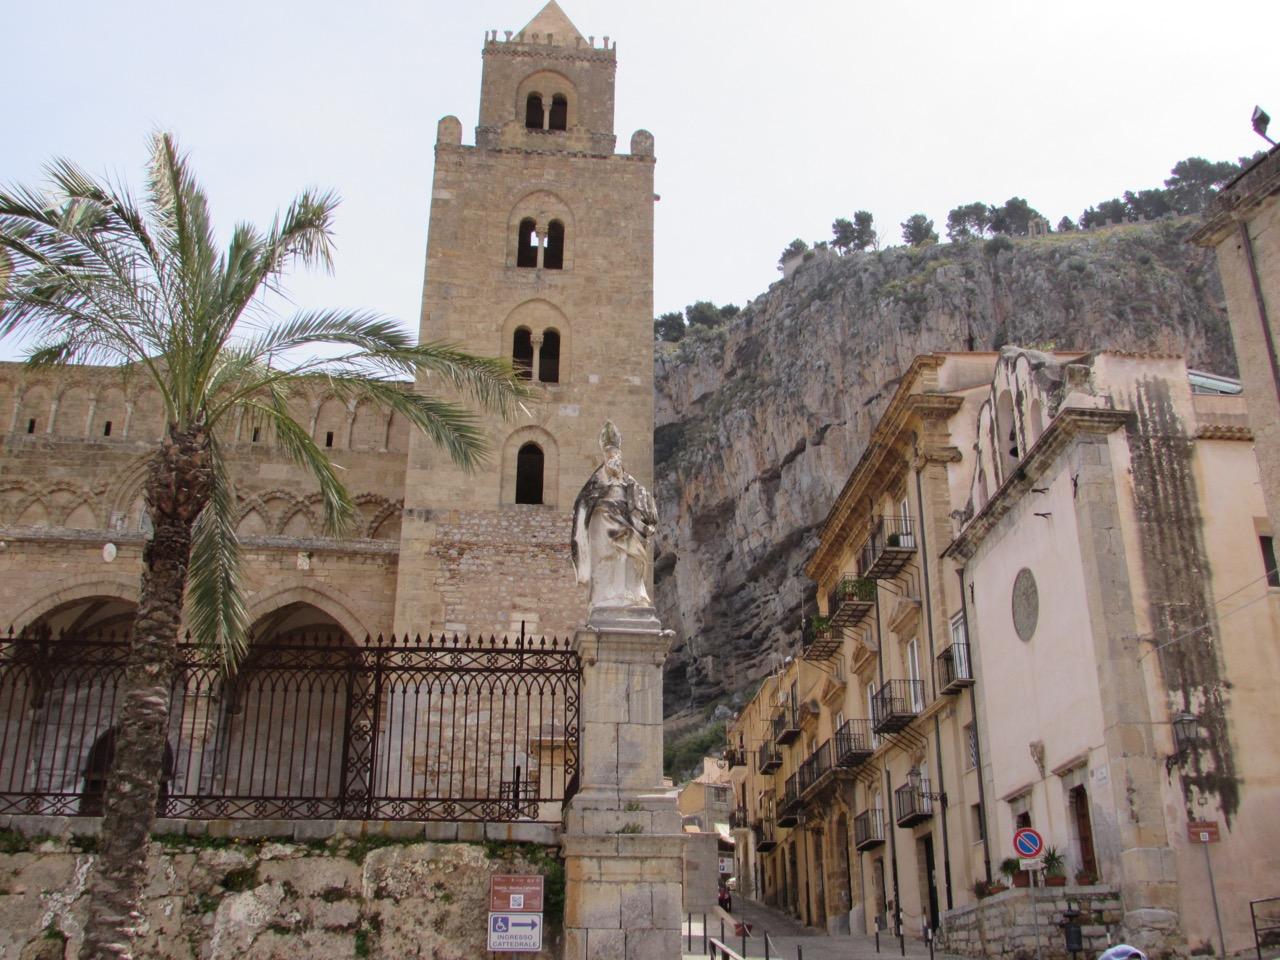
x,y
842,234
669,327
729,311
704,313
1013,217
1147,204
917,230
793,249
968,221
864,232
1195,180
1065,224
99,278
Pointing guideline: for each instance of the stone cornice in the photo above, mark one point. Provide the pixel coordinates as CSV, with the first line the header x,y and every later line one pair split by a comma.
x,y
544,51
1239,199
354,546
1066,426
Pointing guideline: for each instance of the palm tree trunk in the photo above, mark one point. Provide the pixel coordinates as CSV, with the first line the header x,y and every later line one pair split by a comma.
x,y
177,489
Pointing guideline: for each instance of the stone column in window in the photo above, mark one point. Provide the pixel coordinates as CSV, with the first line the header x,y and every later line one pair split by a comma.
x,y
542,249
536,340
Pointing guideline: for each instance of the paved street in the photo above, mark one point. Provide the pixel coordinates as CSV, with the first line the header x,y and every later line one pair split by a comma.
x,y
787,939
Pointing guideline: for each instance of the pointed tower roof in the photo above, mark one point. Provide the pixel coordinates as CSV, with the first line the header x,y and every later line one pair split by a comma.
x,y
552,20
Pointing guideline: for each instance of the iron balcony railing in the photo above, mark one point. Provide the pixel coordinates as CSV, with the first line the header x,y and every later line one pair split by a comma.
x,y
766,836
853,744
868,829
913,804
851,601
738,818
814,771
888,548
769,757
896,704
822,640
786,723
789,804
955,669
735,756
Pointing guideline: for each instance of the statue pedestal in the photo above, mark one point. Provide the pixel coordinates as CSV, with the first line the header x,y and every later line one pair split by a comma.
x,y
622,842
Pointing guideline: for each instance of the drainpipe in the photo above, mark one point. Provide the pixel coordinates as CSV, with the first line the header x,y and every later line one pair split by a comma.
x,y
977,740
1246,242
937,726
893,847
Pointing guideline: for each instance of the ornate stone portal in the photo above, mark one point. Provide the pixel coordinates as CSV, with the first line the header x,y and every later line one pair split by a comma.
x,y
622,841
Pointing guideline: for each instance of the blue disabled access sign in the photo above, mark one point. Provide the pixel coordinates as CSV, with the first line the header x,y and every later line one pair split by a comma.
x,y
515,931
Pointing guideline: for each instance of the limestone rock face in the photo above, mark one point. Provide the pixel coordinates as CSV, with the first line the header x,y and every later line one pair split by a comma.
x,y
760,421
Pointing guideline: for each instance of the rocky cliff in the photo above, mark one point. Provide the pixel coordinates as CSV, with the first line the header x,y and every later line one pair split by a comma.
x,y
759,421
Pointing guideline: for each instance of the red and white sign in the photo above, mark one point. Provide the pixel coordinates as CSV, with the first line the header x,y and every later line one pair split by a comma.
x,y
1203,831
515,893
1028,843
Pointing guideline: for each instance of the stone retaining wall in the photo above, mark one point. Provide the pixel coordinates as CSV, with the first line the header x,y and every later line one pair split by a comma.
x,y
223,898
1003,926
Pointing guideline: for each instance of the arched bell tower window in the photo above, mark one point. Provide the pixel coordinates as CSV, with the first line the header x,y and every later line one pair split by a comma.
x,y
533,111
522,353
529,464
559,112
553,258
527,243
549,357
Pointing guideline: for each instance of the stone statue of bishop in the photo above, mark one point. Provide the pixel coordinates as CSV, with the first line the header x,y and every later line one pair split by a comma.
x,y
614,518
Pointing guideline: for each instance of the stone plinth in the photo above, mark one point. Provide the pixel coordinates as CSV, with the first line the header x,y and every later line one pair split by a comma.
x,y
622,840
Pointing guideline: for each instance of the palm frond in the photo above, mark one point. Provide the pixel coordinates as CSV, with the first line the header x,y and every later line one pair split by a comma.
x,y
215,611
297,443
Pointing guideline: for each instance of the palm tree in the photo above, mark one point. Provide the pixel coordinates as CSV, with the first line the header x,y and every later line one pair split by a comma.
x,y
97,277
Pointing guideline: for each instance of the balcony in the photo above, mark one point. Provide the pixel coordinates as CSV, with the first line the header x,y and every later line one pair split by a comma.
x,y
913,804
853,744
821,640
789,804
896,704
887,550
735,757
816,772
786,724
868,830
851,601
769,757
738,819
765,837
955,669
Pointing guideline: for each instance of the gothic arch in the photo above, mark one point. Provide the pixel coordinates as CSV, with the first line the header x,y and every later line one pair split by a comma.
x,y
550,464
125,492
540,316
72,416
327,599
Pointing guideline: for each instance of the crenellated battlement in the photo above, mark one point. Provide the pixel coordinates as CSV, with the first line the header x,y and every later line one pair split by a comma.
x,y
540,41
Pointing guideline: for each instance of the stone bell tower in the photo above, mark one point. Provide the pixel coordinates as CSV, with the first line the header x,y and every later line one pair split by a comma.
x,y
540,248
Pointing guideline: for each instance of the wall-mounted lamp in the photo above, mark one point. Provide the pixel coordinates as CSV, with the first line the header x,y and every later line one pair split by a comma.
x,y
916,782
1260,123
1186,731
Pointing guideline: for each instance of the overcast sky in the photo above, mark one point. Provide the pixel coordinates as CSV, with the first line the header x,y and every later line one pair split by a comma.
x,y
770,118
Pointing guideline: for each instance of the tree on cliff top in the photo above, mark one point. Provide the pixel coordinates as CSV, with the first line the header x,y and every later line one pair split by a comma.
x,y
669,327
793,249
1195,180
917,230
98,278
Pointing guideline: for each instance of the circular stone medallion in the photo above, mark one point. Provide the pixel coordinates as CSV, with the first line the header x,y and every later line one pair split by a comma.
x,y
1026,603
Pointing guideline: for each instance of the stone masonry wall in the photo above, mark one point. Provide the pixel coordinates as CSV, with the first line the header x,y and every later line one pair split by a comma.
x,y
210,898
1002,926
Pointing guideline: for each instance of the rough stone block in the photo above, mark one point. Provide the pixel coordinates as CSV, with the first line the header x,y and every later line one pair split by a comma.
x,y
653,944
636,903
607,945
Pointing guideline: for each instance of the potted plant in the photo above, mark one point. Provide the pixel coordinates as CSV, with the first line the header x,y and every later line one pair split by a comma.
x,y
1010,869
1085,878
819,626
1055,868
858,588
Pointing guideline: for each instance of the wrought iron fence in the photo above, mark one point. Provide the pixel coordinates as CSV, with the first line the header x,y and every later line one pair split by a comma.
x,y
435,728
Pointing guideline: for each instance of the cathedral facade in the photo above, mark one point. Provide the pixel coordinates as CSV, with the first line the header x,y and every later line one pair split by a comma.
x,y
540,249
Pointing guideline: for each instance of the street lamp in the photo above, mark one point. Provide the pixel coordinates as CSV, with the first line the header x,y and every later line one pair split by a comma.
x,y
1186,730
916,782
1260,122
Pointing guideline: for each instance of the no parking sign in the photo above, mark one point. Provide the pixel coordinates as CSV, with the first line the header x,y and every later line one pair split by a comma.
x,y
1028,844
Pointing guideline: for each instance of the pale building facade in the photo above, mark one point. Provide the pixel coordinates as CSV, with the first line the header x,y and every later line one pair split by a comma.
x,y
1125,635
1039,563
1243,227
